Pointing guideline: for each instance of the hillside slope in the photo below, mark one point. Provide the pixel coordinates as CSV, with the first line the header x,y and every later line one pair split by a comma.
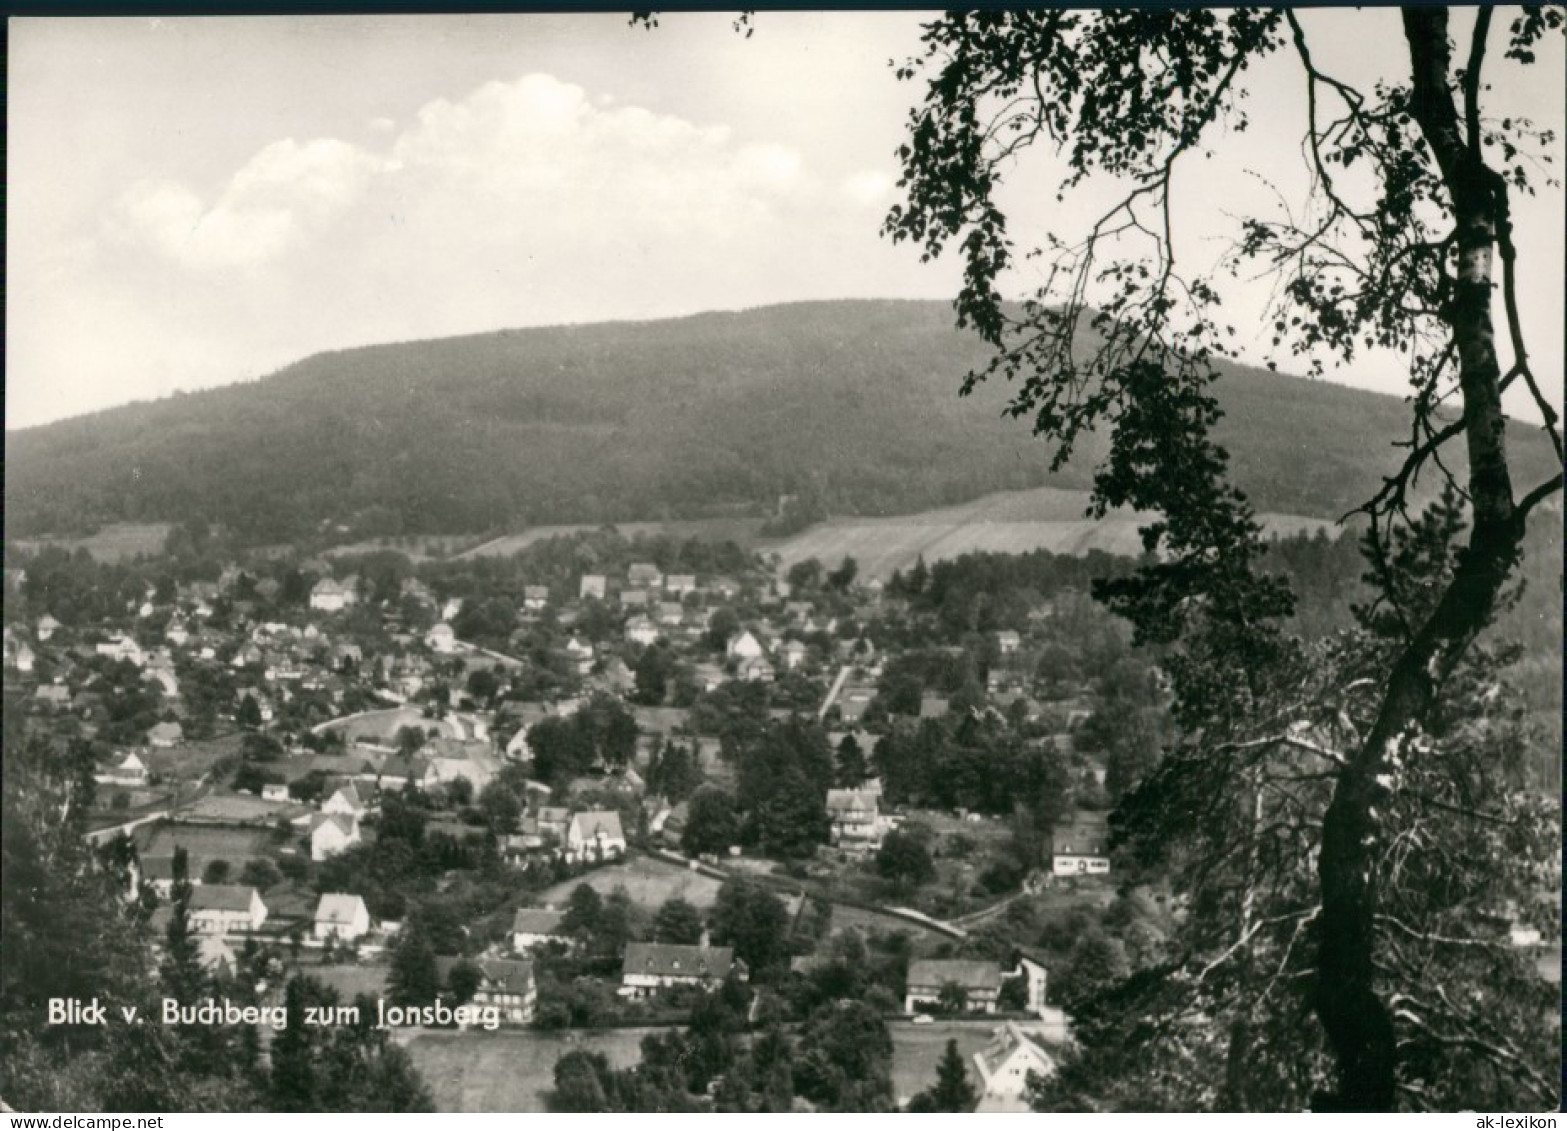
x,y
852,403
1010,522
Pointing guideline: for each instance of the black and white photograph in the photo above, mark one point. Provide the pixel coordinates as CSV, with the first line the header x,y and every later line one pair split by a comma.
x,y
784,561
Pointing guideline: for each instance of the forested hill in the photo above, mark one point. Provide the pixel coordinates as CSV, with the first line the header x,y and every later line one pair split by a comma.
x,y
852,406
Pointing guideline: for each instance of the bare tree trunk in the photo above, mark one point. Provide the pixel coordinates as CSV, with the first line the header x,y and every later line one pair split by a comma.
x,y
1357,1021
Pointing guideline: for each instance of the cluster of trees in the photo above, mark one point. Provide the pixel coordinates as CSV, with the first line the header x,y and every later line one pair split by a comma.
x,y
601,735
783,772
747,917
976,763
838,1059
988,592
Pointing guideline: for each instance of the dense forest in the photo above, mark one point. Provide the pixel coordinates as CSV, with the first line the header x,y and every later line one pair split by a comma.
x,y
808,409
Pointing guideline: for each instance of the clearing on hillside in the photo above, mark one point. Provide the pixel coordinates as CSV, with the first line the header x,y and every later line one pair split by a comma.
x,y
116,542
1008,522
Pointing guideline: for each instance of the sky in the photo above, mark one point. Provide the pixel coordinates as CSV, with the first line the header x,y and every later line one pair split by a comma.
x,y
199,201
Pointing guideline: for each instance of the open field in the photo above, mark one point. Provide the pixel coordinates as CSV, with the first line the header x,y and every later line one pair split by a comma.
x,y
115,542
189,761
1010,522
741,531
509,1070
382,726
414,547
649,883
204,843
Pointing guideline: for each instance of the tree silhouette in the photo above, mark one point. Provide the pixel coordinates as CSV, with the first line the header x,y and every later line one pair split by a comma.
x,y
953,1091
1401,252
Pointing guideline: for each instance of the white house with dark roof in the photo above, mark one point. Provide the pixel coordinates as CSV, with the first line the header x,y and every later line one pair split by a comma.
x,y
1081,847
341,916
332,596
505,984
130,772
648,968
223,909
332,833
594,834
979,980
856,819
645,575
536,926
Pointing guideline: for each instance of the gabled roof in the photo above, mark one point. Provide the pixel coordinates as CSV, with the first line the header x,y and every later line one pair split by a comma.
x,y
1007,1041
336,907
345,824
501,975
971,974
843,800
403,766
221,897
667,960
350,793
593,823
1082,835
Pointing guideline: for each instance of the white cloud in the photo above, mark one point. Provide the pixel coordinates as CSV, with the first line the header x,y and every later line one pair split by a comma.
x,y
534,159
282,195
